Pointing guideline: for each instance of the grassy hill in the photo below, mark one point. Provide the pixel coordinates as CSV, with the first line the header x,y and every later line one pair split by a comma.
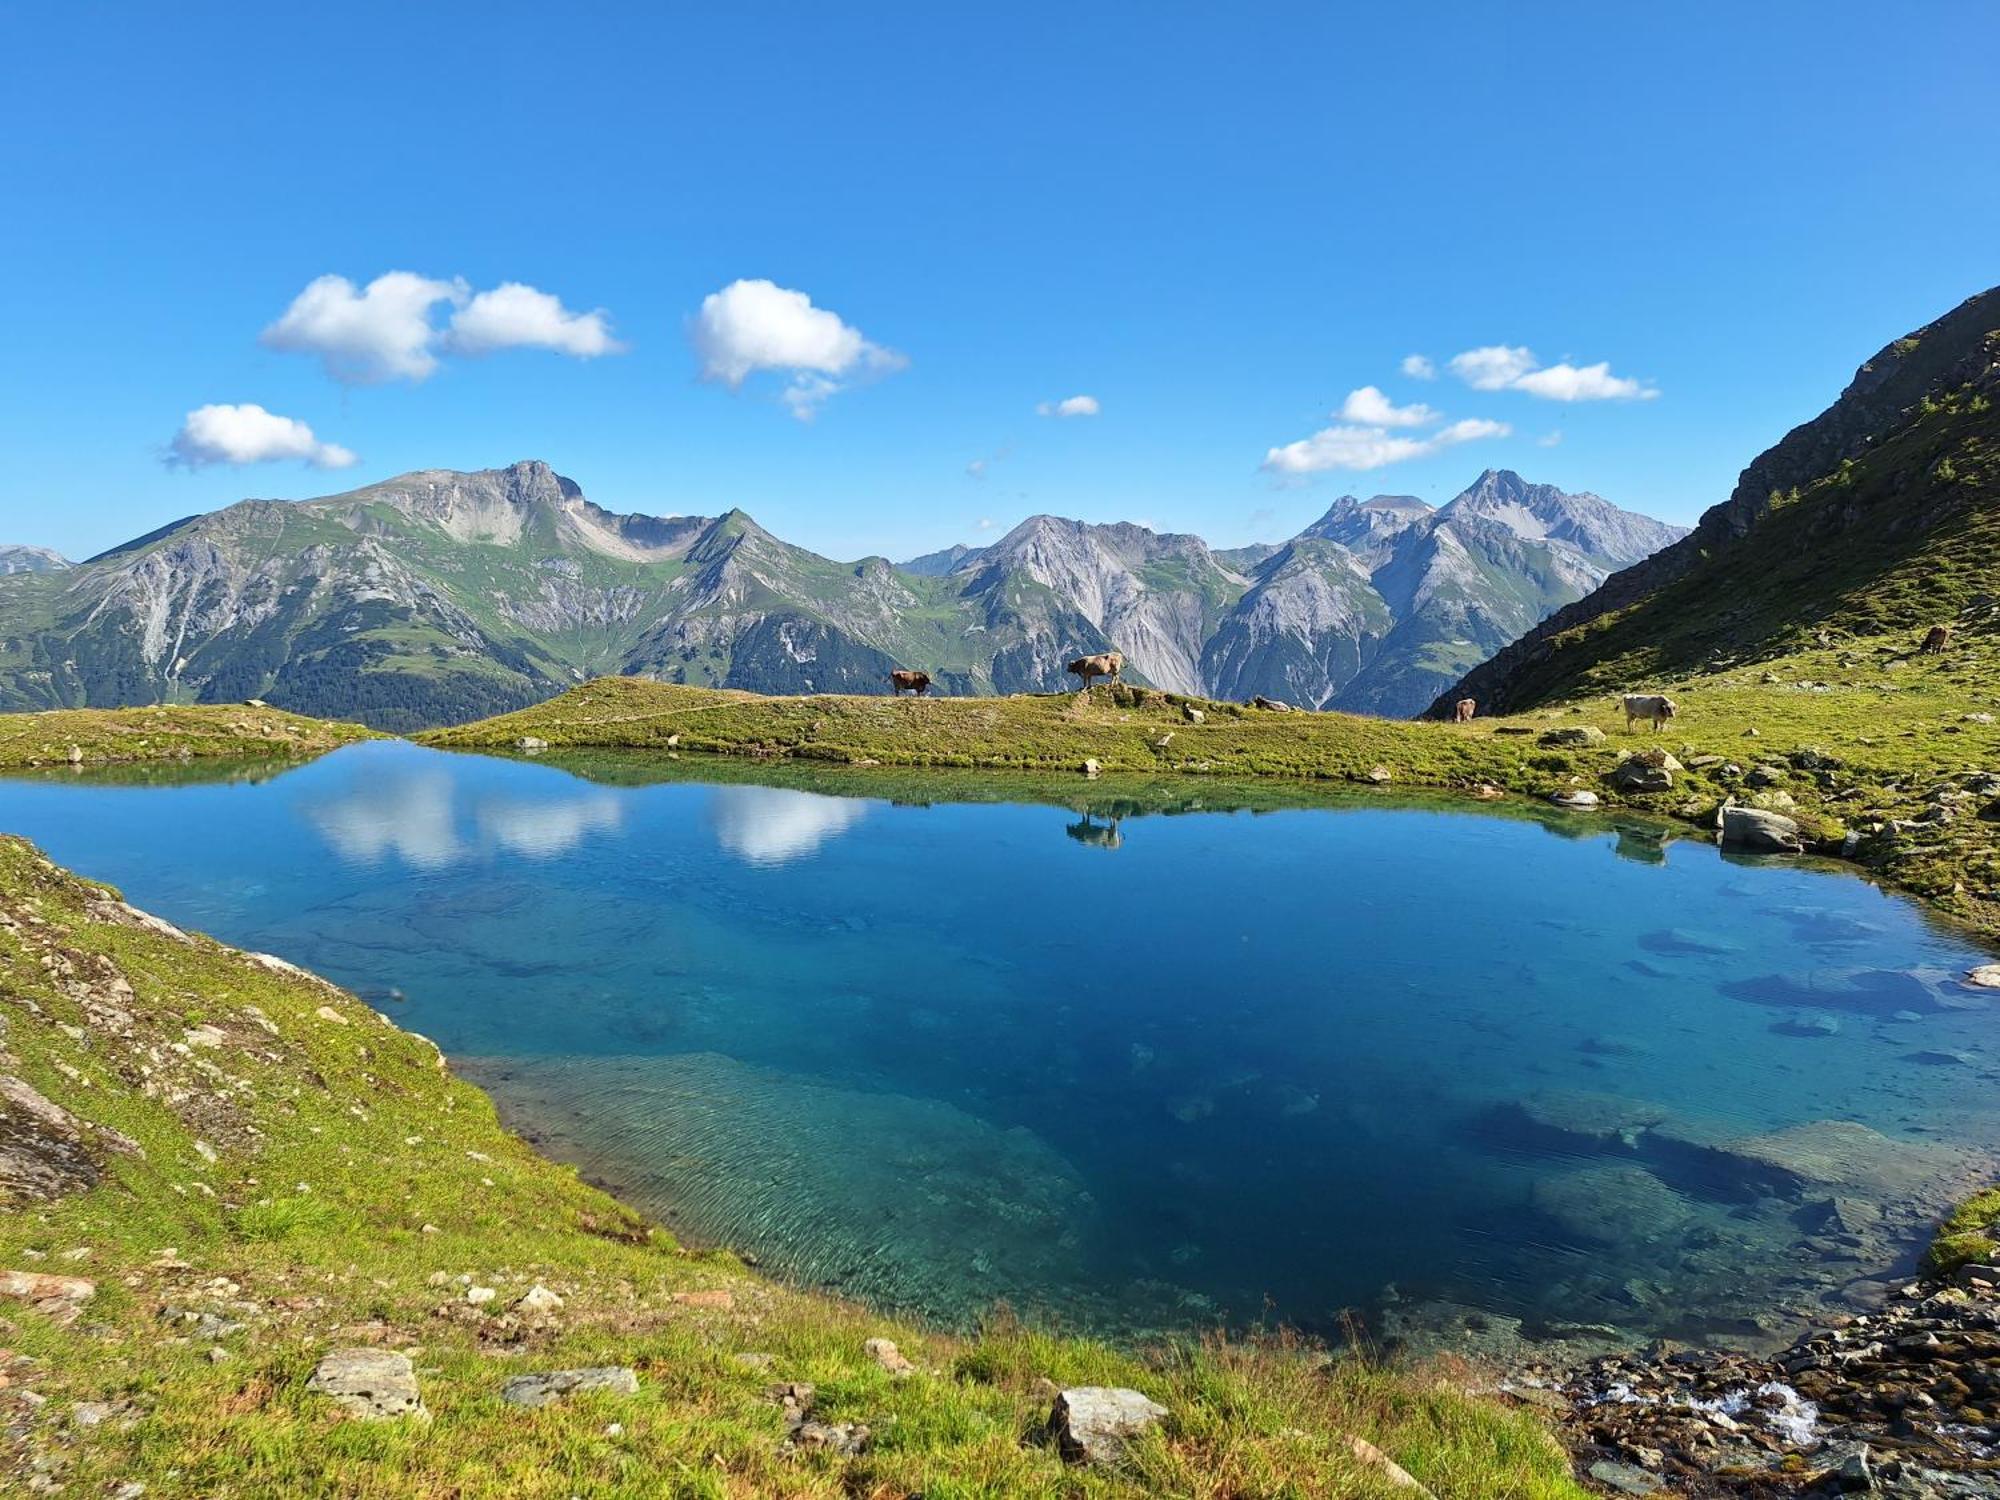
x,y
1879,517
237,1168
136,736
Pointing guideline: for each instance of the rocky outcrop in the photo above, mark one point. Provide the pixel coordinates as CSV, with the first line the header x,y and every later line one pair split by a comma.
x,y
17,558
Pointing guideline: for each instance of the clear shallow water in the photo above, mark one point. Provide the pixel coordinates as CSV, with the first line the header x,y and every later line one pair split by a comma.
x,y
1449,1067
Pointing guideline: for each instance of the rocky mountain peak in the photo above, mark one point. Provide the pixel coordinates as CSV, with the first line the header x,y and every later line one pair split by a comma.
x,y
20,558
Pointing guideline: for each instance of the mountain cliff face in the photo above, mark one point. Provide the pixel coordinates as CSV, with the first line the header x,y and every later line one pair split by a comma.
x,y
1877,515
440,596
15,558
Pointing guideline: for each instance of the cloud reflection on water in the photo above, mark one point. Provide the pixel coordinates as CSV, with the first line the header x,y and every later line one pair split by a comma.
x,y
414,817
768,825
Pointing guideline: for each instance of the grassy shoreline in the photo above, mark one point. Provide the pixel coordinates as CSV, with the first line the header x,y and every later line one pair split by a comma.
x,y
1864,740
84,737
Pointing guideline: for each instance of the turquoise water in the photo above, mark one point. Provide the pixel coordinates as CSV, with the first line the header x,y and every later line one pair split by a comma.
x,y
1442,1067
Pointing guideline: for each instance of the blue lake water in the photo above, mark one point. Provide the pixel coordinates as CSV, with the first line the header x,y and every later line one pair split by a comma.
x,y
1120,1056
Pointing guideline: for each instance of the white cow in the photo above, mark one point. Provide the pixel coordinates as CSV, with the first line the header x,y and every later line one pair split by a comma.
x,y
1655,708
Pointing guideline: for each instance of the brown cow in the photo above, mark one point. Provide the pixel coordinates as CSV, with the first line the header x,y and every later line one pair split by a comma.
x,y
1463,710
917,682
1105,664
1935,642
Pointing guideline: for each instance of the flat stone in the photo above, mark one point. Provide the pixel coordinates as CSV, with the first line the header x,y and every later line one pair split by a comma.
x,y
1574,799
1624,1478
1574,736
1092,1423
1985,977
552,1385
372,1384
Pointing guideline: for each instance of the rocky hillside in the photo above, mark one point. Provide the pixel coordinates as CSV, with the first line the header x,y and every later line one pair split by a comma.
x,y
1878,515
438,597
16,558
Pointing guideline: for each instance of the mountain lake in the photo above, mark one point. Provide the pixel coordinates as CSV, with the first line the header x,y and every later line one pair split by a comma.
x,y
1134,1058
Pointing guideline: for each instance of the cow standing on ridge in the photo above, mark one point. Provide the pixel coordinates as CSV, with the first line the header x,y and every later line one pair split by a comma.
x,y
1463,710
1938,638
917,682
1104,664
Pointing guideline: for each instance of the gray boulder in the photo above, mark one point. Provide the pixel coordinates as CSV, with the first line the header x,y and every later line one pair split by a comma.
x,y
1092,1423
1756,829
553,1385
1574,737
1646,771
373,1384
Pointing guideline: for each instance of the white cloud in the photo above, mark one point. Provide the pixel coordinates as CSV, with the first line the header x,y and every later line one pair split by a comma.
x,y
1069,406
1371,408
1492,368
1566,382
1419,367
977,468
1355,447
1503,367
758,325
516,316
366,335
248,434
385,330
985,523
1549,439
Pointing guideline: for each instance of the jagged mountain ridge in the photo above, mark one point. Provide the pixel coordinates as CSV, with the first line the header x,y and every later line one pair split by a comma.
x,y
1882,513
438,596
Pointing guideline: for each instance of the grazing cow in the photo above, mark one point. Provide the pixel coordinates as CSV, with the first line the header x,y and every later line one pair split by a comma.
x,y
1105,664
1655,708
1463,710
1935,642
917,682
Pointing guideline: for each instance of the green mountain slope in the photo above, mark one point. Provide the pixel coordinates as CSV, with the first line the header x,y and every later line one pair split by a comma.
x,y
1880,515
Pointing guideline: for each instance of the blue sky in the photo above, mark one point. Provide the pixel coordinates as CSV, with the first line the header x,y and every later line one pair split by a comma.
x,y
1216,222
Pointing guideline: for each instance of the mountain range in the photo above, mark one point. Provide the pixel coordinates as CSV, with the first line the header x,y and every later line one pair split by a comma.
x,y
19,559
440,596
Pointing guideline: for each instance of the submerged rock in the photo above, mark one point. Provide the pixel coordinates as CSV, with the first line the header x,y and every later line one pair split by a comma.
x,y
372,1384
1092,1423
1572,1120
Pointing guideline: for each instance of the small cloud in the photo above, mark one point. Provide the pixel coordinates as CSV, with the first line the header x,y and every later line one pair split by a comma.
x,y
985,523
977,468
750,326
1419,367
1504,367
248,434
366,335
516,316
1360,448
1566,382
1549,439
384,331
1069,406
1371,408
1492,368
